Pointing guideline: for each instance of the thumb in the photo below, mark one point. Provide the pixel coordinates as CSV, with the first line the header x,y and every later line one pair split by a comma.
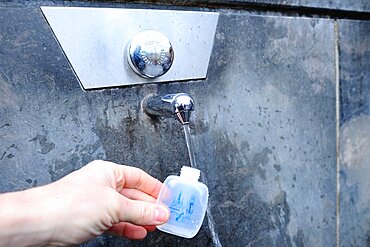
x,y
142,212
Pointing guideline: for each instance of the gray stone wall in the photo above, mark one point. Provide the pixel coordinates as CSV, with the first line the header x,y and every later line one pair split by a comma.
x,y
354,133
281,125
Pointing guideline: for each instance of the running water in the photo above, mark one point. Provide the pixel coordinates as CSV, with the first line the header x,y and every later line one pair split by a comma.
x,y
211,222
211,225
189,144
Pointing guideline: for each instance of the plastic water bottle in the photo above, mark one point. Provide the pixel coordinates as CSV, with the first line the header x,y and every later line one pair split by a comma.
x,y
187,199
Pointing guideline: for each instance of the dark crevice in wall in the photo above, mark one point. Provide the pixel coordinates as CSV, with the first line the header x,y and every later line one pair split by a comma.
x,y
337,127
282,9
258,8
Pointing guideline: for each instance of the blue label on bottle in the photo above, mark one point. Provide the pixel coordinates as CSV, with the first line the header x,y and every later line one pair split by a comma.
x,y
182,209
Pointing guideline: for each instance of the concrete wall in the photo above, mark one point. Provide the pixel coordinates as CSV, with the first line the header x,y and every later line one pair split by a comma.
x,y
281,127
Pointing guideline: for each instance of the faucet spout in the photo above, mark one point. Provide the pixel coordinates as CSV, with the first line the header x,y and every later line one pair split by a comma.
x,y
181,105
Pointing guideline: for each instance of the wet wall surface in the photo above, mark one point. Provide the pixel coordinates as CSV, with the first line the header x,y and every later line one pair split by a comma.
x,y
264,128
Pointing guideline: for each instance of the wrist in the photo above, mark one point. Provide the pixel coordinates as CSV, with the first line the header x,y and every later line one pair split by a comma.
x,y
23,218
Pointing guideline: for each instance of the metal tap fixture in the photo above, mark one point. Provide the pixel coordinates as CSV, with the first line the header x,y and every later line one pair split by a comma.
x,y
181,105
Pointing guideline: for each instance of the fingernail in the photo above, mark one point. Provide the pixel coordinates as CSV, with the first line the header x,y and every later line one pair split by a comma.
x,y
161,214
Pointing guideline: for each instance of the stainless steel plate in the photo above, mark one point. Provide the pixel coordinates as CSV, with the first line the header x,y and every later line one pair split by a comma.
x,y
95,42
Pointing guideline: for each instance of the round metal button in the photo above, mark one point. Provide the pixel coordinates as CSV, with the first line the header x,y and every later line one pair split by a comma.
x,y
150,54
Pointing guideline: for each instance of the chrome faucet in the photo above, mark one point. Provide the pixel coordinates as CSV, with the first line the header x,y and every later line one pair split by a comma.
x,y
181,105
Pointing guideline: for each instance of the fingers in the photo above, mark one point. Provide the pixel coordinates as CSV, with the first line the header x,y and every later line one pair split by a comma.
x,y
128,230
142,212
135,194
131,177
150,228
131,231
136,178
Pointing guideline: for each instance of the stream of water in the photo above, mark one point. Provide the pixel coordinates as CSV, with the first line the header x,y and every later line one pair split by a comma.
x,y
189,144
211,222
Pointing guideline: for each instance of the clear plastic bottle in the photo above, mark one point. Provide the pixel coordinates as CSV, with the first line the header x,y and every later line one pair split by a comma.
x,y
187,199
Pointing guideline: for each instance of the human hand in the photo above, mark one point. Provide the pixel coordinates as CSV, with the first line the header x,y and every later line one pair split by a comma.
x,y
104,196
100,197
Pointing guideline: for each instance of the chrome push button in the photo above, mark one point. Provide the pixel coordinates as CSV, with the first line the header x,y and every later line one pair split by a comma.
x,y
150,54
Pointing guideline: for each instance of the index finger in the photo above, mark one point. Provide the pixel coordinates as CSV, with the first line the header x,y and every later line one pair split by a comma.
x,y
135,178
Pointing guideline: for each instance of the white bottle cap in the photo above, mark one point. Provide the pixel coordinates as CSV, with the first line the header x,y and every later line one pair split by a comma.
x,y
190,173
